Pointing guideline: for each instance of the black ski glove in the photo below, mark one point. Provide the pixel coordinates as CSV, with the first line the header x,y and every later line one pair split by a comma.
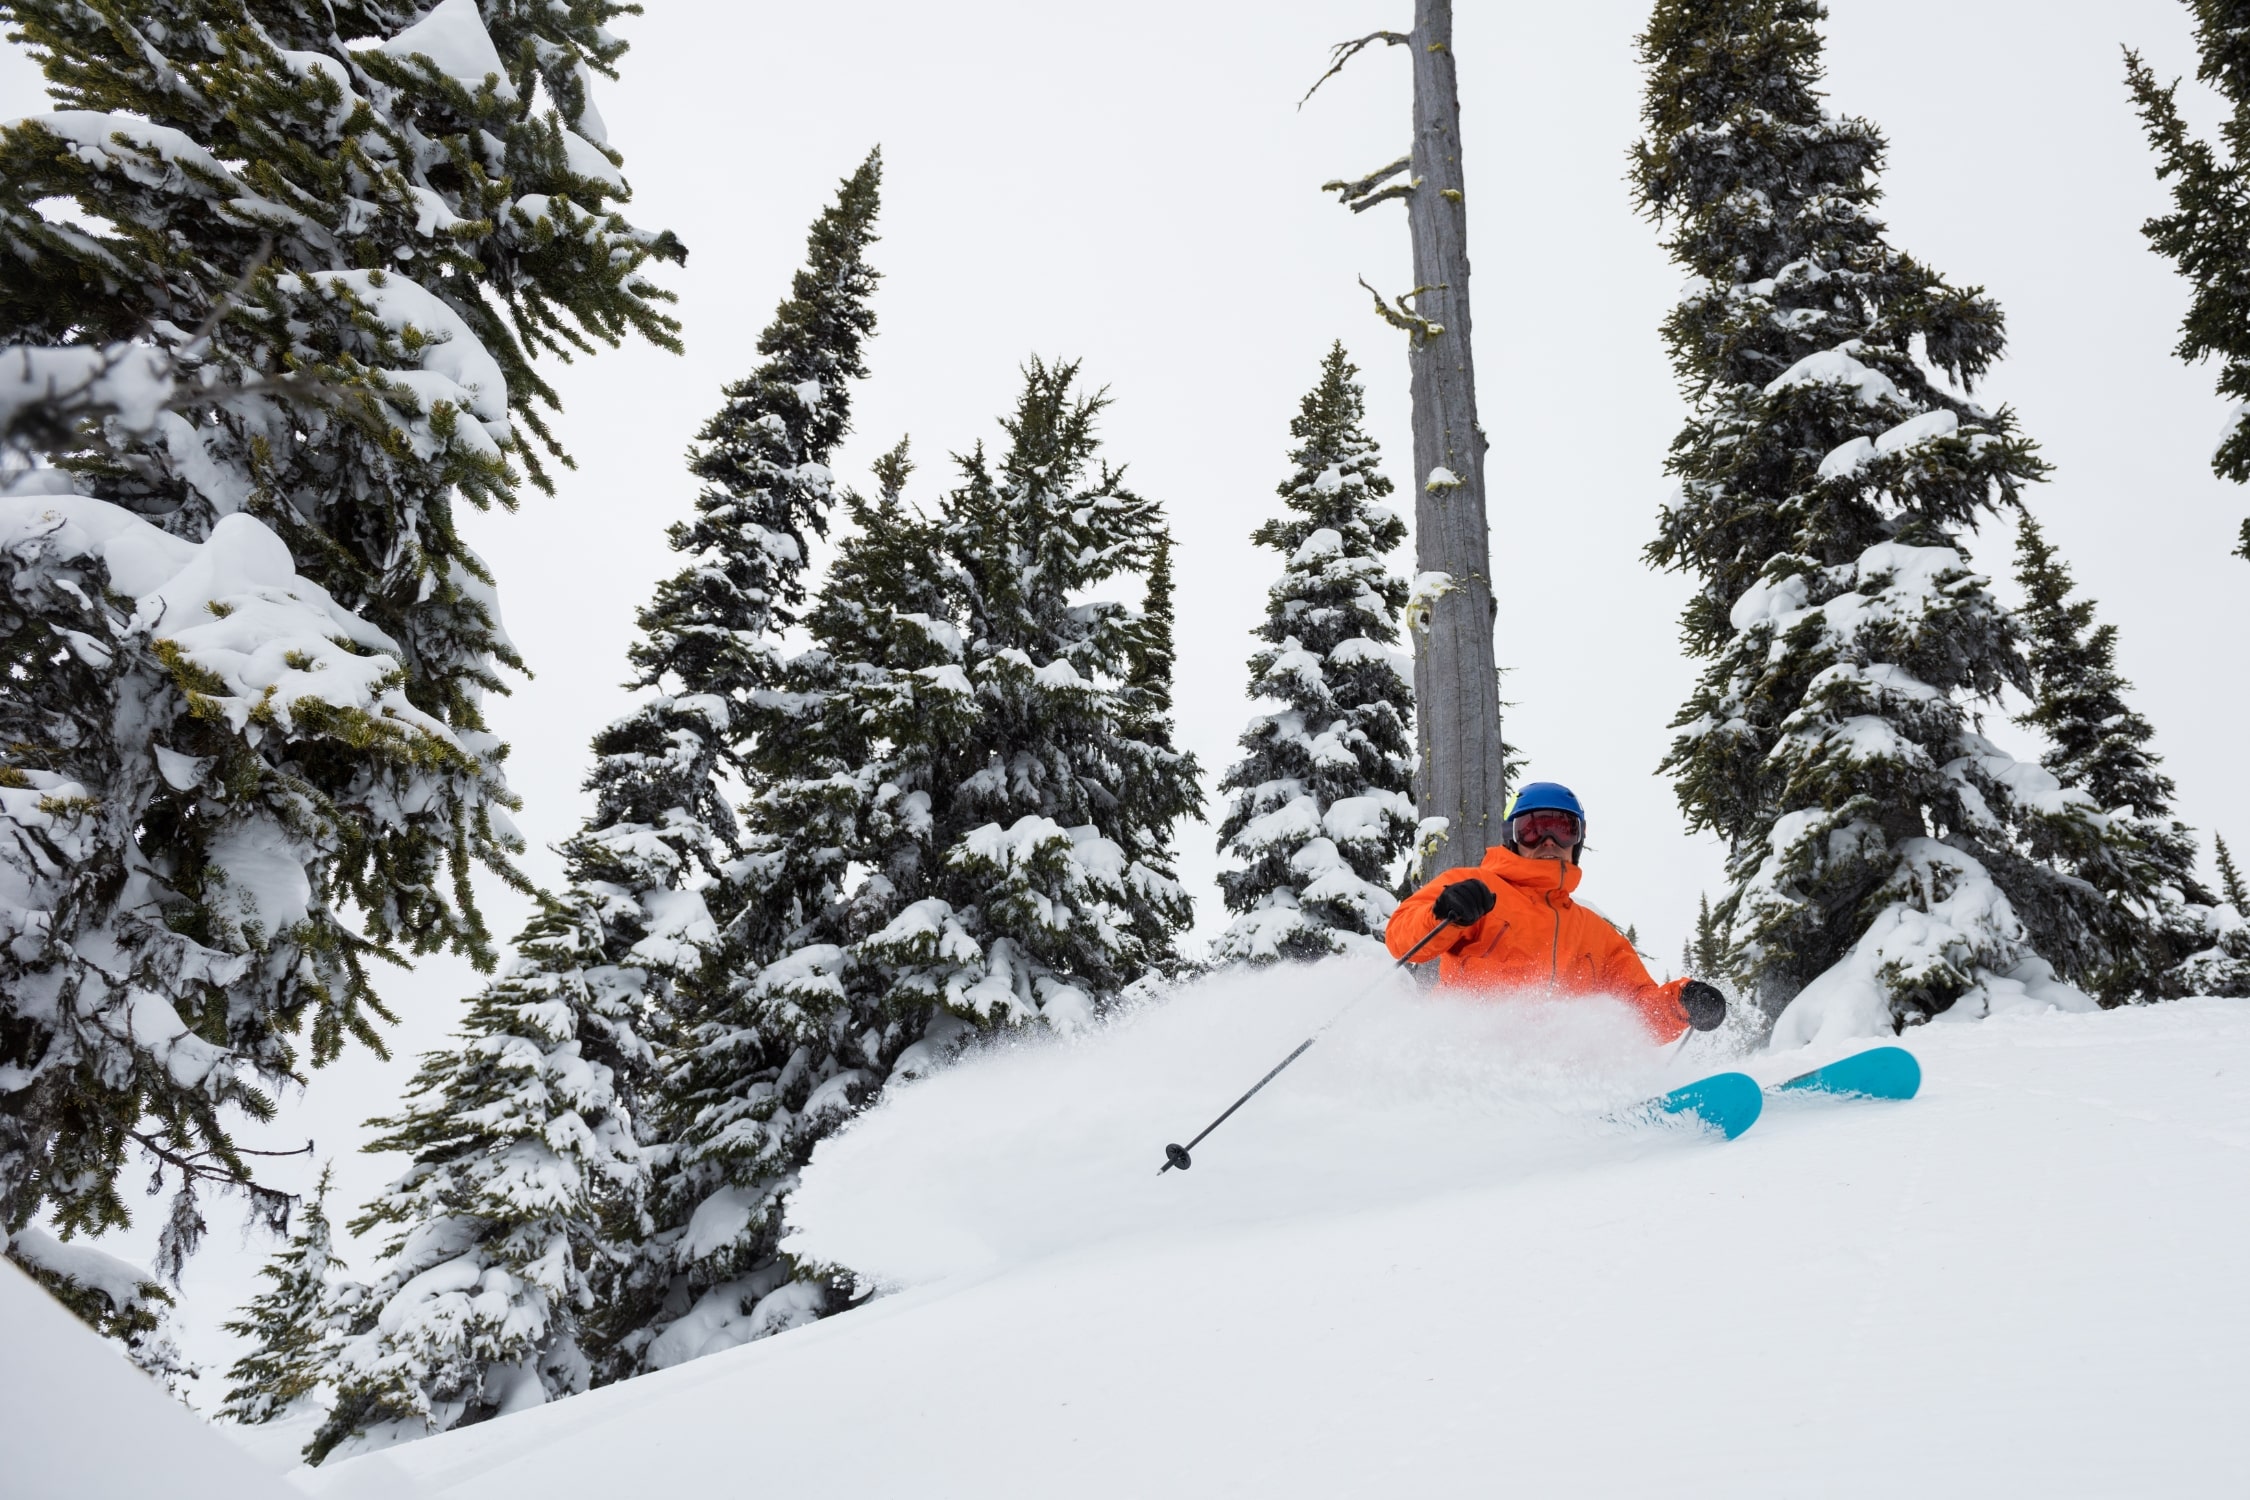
x,y
1704,1005
1464,902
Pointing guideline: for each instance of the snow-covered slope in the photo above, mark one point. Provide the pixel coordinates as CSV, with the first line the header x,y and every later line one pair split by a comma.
x,y
83,1423
1383,1279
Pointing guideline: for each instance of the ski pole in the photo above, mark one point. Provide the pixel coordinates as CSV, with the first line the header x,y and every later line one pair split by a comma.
x,y
1177,1156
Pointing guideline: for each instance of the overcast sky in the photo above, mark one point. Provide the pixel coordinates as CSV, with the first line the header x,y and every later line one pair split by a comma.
x,y
1133,186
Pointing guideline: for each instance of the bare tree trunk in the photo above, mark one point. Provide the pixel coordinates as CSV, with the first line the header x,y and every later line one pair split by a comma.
x,y
1456,690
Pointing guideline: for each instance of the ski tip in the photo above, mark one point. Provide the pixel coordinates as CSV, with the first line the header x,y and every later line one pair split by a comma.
x,y
1877,1073
1731,1102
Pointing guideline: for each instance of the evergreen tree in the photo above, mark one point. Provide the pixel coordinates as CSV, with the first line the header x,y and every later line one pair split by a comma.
x,y
522,1154
869,778
1054,892
1705,954
1145,720
2207,234
629,933
290,1323
337,241
2160,931
2230,878
716,627
1877,841
2220,965
1323,810
731,1104
806,1035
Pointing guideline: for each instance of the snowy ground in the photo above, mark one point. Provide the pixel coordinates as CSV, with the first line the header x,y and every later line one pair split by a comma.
x,y
1426,1263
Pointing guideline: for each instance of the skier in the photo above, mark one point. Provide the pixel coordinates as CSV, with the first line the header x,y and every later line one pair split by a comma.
x,y
1514,924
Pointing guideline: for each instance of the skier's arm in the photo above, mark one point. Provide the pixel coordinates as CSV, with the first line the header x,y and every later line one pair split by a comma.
x,y
1412,920
1624,975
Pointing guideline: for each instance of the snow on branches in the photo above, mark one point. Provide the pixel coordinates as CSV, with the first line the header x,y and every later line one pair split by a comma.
x,y
721,906
206,752
1888,863
289,322
1322,808
525,1171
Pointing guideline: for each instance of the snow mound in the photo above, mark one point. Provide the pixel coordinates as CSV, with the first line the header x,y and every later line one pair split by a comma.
x,y
82,1422
1042,1144
2025,1282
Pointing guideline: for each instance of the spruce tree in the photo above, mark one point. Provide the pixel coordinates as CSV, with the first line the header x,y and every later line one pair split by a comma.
x,y
869,791
713,646
1145,721
2207,234
805,1035
627,937
1826,482
767,489
290,1323
2160,936
340,241
1323,811
2230,878
2220,965
524,1165
1705,955
1055,891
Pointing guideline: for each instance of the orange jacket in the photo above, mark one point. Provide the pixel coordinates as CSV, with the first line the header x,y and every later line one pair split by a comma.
x,y
1535,935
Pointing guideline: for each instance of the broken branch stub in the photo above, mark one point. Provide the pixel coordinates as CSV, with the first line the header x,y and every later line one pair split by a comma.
x,y
1356,195
1405,318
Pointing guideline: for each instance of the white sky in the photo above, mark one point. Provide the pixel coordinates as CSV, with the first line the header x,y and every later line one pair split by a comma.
x,y
1133,186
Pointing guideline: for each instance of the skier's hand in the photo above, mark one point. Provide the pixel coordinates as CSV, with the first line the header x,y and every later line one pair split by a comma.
x,y
1704,1005
1464,902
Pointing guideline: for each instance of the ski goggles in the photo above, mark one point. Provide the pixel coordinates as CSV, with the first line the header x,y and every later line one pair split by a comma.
x,y
1543,824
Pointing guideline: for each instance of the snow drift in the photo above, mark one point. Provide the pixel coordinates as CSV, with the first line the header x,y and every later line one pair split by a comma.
x,y
2024,1282
1038,1145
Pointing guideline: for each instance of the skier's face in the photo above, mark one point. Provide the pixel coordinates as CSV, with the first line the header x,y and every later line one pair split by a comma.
x,y
1546,833
1546,849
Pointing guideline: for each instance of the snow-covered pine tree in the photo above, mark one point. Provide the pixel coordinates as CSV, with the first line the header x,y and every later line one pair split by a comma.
x,y
716,627
1145,716
2207,234
338,240
712,648
809,1033
1057,837
2162,939
1826,478
2223,968
629,931
1322,808
524,1166
290,1323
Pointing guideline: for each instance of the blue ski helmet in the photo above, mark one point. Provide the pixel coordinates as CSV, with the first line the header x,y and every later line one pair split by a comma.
x,y
1538,795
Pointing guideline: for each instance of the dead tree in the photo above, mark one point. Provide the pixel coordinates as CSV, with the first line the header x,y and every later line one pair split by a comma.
x,y
1462,770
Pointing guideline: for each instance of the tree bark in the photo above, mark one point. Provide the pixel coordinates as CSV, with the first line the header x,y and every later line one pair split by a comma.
x,y
1456,690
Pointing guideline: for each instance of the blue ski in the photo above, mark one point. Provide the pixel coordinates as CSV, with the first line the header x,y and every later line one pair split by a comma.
x,y
1877,1073
1729,1101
